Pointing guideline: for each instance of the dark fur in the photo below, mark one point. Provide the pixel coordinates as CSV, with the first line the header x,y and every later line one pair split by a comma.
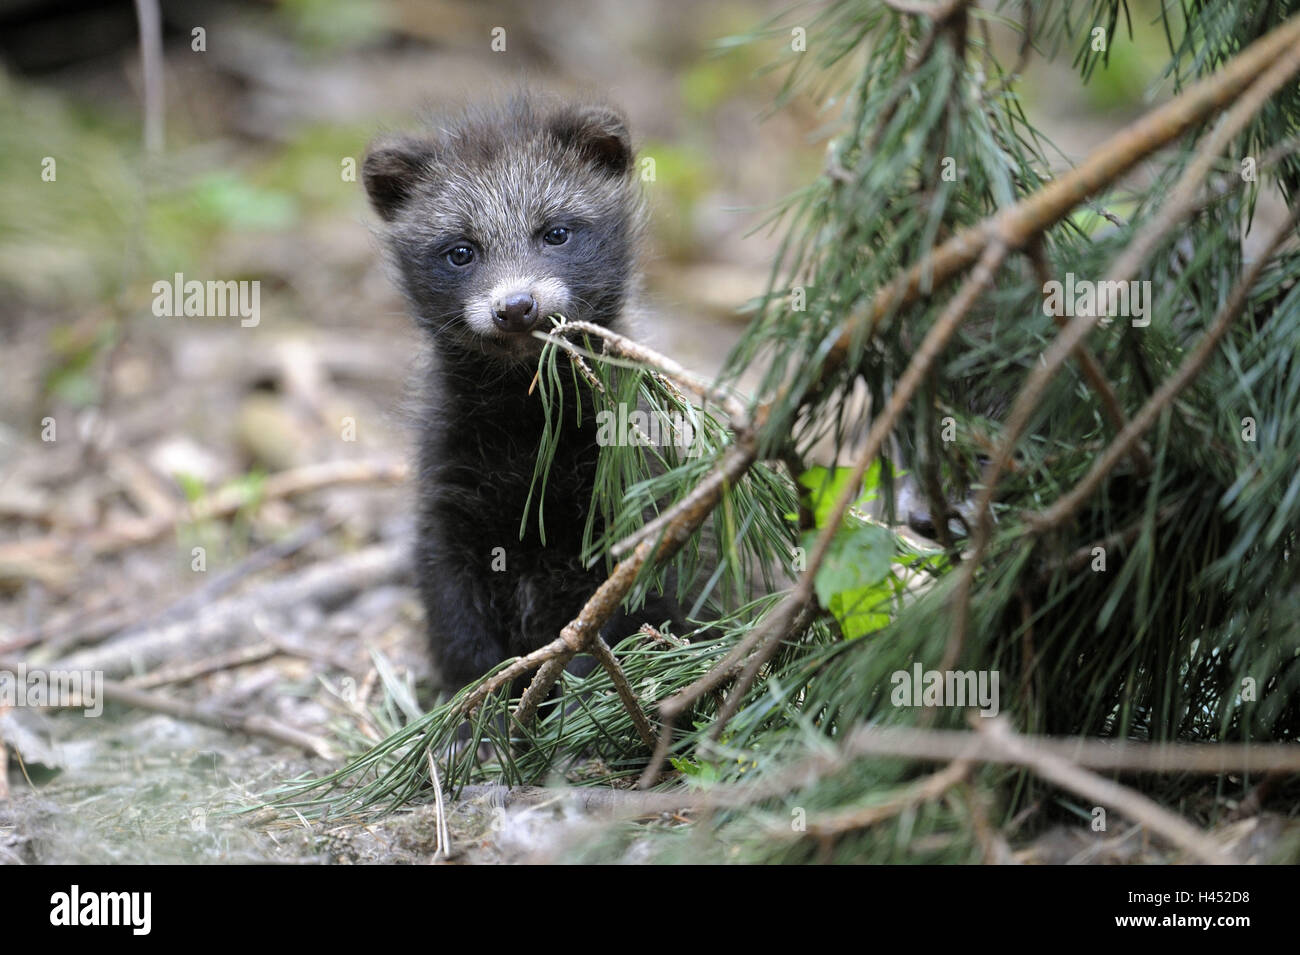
x,y
497,181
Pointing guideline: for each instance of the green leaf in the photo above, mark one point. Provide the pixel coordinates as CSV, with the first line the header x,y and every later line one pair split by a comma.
x,y
854,578
825,487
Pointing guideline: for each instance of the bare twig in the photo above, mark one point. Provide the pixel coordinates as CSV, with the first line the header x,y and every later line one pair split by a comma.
x,y
1206,759
442,837
185,672
605,657
225,624
946,746
635,351
121,534
151,70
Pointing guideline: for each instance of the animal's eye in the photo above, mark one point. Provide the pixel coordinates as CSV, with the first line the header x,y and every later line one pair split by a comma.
x,y
556,236
460,255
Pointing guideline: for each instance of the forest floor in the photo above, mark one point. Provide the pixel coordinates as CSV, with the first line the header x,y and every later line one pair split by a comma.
x,y
216,518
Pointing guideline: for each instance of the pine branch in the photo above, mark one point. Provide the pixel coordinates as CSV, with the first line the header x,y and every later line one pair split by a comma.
x,y
1283,64
1065,505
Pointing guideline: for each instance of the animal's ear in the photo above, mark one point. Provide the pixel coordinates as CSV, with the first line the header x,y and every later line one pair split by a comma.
x,y
598,134
391,170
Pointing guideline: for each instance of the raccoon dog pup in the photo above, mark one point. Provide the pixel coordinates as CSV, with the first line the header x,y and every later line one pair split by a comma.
x,y
514,214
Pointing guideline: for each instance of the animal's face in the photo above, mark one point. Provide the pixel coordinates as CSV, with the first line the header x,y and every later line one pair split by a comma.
x,y
508,219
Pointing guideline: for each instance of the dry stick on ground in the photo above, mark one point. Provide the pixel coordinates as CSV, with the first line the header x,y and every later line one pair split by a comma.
x,y
1065,505
185,672
119,624
442,838
1130,804
253,725
1202,759
226,624
1013,227
122,534
1181,202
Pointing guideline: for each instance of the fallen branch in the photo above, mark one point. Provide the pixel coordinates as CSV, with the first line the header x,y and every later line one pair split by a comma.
x,y
226,624
253,725
185,672
121,534
1129,803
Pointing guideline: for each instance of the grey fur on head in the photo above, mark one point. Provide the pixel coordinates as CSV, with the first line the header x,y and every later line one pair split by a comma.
x,y
487,189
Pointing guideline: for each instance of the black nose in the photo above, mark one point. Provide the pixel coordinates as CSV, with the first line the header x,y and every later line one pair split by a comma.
x,y
516,313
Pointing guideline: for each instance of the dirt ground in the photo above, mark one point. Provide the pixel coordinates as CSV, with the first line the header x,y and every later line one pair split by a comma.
x,y
221,519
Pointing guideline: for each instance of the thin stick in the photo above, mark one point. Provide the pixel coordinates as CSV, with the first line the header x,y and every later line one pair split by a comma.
x,y
1126,756
442,837
947,746
121,534
634,350
185,672
151,72
599,649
